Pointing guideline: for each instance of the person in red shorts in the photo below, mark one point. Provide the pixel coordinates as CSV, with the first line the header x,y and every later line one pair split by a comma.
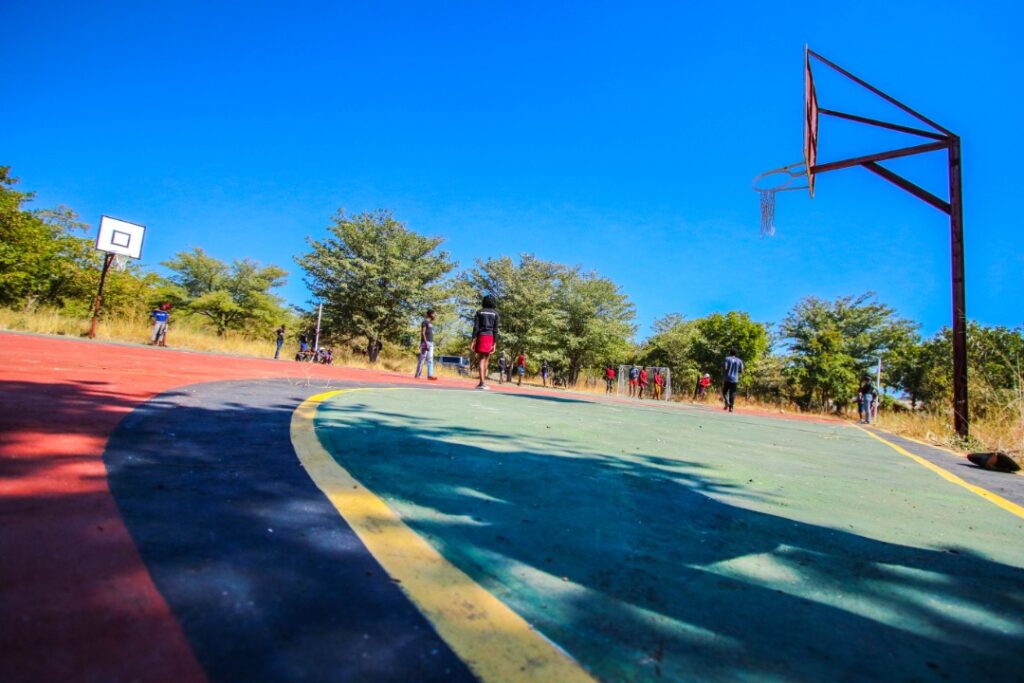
x,y
634,377
485,336
642,381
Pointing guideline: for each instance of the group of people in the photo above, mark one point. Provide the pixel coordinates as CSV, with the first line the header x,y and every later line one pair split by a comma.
x,y
519,367
639,380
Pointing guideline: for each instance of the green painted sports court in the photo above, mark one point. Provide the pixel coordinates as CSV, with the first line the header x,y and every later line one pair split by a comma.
x,y
650,542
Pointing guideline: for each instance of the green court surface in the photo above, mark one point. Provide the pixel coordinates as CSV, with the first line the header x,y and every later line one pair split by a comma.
x,y
678,544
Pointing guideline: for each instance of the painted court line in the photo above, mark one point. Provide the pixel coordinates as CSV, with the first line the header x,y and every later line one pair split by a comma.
x,y
495,642
993,498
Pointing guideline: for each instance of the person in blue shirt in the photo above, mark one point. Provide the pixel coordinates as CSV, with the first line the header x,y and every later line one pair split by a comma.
x,y
733,369
280,342
160,317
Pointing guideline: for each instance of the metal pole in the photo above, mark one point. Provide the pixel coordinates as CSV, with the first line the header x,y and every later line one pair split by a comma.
x,y
316,338
956,234
99,295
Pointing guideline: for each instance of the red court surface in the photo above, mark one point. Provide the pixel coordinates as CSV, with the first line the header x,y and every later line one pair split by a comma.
x,y
76,601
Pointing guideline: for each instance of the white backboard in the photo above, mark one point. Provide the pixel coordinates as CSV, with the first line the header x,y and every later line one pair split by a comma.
x,y
120,237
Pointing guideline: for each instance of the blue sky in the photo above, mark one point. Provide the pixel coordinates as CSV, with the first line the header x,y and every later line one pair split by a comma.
x,y
618,136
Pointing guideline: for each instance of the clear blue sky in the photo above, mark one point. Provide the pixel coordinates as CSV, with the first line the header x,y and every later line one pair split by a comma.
x,y
618,136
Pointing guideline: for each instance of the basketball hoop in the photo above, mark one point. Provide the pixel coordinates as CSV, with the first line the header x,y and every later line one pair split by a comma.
x,y
790,174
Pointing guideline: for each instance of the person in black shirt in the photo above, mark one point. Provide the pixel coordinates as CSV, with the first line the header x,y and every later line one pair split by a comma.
x,y
485,336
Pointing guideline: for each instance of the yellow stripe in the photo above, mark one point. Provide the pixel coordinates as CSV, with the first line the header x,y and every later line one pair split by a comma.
x,y
958,454
495,642
1007,505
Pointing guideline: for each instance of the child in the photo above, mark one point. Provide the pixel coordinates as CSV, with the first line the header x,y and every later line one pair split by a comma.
x,y
641,383
485,336
659,382
634,376
521,367
609,379
426,346
545,371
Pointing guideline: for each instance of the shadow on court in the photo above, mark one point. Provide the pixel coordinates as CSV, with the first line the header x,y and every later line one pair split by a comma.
x,y
634,568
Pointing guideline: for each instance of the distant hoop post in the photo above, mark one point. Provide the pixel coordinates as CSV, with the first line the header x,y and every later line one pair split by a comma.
x,y
120,241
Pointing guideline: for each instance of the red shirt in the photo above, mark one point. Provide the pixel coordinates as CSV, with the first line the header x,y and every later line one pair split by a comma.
x,y
643,377
659,380
520,359
609,373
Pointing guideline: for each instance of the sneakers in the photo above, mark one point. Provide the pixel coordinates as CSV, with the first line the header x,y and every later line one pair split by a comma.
x,y
482,387
433,379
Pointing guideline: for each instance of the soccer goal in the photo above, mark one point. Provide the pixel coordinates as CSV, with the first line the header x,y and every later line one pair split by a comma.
x,y
624,388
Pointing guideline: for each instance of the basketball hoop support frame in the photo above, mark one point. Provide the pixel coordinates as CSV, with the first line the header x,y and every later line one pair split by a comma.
x,y
942,139
108,259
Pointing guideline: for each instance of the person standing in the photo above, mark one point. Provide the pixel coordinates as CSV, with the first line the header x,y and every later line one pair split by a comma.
x,y
641,383
161,316
733,369
609,379
521,367
280,342
867,396
427,346
659,384
502,367
634,378
545,372
705,382
485,336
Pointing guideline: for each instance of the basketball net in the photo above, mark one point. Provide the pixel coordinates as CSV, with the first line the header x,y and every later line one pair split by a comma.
x,y
120,262
767,213
783,183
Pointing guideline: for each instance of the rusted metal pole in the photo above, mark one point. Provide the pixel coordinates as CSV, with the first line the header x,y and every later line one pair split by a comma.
x,y
108,259
956,240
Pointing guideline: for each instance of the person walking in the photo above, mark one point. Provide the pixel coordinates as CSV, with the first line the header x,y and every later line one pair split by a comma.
x,y
521,367
427,346
609,379
733,369
485,336
704,383
161,316
280,342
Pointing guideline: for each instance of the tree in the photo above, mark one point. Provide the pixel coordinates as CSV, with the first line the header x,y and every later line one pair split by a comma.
x,y
235,297
690,348
595,321
373,275
42,259
525,293
833,343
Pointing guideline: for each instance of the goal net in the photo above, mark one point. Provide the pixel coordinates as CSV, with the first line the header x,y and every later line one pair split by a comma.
x,y
624,388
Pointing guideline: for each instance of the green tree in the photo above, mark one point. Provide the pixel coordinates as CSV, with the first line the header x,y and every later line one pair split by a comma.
x,y
833,343
43,258
235,297
595,321
373,276
525,294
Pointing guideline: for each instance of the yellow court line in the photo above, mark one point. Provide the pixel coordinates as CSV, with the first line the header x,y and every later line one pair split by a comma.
x,y
996,499
495,642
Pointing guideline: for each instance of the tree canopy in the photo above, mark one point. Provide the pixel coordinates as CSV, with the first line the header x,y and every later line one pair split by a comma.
x,y
373,275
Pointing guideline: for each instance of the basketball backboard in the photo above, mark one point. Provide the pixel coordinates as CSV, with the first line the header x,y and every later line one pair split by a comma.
x,y
810,122
120,237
